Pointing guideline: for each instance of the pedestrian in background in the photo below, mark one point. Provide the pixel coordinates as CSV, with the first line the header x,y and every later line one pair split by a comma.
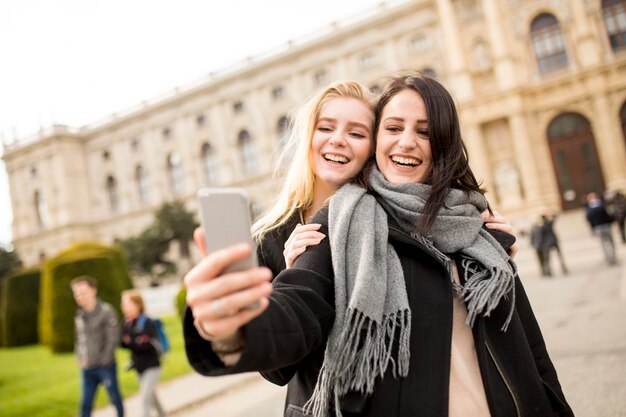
x,y
618,209
96,337
600,221
140,335
550,242
537,244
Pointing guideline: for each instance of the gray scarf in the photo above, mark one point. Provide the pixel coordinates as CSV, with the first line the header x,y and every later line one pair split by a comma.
x,y
371,304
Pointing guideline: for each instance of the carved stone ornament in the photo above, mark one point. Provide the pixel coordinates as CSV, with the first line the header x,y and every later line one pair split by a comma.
x,y
468,10
521,12
481,56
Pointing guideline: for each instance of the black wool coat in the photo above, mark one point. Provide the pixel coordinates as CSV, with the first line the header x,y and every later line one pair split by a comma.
x,y
286,343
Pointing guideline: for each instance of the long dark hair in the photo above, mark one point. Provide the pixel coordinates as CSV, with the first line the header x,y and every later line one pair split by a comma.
x,y
450,167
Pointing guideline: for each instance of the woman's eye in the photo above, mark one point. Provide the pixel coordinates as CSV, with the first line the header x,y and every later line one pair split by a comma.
x,y
325,129
358,135
423,133
393,129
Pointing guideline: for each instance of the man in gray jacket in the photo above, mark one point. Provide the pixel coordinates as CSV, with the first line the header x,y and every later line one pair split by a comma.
x,y
97,335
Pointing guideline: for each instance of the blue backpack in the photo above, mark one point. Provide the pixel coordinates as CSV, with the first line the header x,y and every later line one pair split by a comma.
x,y
162,345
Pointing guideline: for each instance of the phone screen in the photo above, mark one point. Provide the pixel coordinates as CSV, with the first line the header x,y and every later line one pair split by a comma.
x,y
225,217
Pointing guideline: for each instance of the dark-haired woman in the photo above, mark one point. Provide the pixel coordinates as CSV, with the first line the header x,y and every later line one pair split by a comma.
x,y
409,307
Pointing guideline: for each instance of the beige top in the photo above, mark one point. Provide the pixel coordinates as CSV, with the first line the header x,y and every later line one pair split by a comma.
x,y
467,392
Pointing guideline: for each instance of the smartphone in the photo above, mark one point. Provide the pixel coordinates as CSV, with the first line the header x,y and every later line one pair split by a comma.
x,y
225,217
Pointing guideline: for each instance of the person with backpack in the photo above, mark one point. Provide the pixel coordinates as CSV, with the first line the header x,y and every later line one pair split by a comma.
x,y
140,334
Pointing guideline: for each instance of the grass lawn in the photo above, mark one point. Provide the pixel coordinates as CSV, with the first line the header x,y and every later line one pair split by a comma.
x,y
36,383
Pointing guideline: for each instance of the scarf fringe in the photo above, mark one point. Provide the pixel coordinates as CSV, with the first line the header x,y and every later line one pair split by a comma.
x,y
361,355
483,290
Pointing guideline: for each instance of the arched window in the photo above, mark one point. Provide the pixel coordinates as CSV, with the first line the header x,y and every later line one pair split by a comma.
x,y
210,163
175,172
614,12
548,43
429,72
247,151
282,129
143,184
41,209
112,192
567,125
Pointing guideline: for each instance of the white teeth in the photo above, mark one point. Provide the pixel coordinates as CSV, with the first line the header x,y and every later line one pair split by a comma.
x,y
405,161
336,158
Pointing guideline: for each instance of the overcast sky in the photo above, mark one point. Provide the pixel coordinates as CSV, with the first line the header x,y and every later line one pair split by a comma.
x,y
75,62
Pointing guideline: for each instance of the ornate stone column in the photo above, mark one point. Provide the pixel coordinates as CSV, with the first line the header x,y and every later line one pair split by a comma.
x,y
478,156
459,76
506,73
525,158
587,48
609,142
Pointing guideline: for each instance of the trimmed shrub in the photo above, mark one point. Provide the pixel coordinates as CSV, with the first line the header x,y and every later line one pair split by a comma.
x,y
107,265
1,308
20,300
181,301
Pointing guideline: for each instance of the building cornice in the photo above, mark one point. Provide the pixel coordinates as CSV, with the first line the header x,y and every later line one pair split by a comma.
x,y
386,11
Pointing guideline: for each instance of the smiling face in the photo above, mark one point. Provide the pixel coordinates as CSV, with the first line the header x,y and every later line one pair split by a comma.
x,y
341,142
403,152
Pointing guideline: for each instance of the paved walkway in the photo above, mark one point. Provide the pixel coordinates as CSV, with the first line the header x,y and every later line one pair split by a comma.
x,y
581,316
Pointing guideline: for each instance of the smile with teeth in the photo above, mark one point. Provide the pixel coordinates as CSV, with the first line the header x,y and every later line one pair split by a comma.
x,y
340,159
404,161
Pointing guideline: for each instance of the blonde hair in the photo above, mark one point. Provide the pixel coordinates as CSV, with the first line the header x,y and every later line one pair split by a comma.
x,y
297,192
135,297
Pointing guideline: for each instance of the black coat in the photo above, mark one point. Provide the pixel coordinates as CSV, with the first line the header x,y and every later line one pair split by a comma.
x,y
287,342
139,340
597,216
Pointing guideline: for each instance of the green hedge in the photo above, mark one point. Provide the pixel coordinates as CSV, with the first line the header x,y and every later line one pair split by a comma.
x,y
20,301
181,300
57,307
1,307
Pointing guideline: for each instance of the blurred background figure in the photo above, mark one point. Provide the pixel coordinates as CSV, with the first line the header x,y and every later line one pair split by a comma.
x,y
140,335
97,336
600,221
544,239
535,241
618,210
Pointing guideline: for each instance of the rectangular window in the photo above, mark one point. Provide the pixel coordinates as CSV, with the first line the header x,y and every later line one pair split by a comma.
x,y
278,93
368,61
420,44
320,78
248,156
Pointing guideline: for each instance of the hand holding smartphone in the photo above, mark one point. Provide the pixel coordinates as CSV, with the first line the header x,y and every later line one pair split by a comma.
x,y
225,218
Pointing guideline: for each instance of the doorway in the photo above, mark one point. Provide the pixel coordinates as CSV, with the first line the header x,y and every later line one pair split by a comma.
x,y
575,159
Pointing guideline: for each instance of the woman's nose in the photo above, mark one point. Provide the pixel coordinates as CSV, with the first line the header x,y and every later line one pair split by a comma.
x,y
408,140
337,138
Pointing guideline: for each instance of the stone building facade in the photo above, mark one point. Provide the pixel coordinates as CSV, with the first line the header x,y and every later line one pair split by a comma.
x,y
540,84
